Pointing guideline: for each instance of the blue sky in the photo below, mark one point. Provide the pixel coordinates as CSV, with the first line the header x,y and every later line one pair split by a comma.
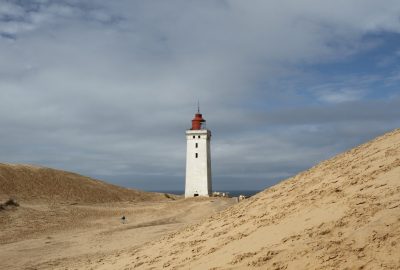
x,y
108,88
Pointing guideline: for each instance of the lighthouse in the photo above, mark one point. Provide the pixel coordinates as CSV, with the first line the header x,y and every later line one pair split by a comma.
x,y
198,159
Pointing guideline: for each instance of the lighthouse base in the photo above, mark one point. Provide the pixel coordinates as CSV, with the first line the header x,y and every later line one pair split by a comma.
x,y
196,194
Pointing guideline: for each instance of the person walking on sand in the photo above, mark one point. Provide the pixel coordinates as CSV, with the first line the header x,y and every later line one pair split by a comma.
x,y
123,219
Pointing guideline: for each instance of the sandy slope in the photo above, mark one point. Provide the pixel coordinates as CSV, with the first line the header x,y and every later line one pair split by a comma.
x,y
63,236
341,214
40,184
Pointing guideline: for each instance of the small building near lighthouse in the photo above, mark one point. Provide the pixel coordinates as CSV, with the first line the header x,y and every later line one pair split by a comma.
x,y
198,159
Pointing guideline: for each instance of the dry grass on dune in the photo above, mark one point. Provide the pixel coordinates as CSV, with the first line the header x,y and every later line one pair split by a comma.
x,y
341,214
33,183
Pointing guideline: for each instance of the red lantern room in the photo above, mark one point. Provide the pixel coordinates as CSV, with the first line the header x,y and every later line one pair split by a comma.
x,y
197,121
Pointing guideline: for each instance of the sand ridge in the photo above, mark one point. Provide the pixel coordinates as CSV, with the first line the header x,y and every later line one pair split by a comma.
x,y
39,184
343,213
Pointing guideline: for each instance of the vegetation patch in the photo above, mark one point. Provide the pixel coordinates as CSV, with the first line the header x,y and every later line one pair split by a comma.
x,y
9,204
170,196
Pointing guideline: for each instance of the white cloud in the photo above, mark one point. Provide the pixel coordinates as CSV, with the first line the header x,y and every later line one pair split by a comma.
x,y
113,84
341,95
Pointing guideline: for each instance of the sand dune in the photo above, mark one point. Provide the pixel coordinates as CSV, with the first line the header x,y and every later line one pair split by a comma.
x,y
34,183
341,214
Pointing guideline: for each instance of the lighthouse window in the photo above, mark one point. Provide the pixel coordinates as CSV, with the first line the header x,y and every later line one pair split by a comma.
x,y
197,155
197,145
198,136
194,136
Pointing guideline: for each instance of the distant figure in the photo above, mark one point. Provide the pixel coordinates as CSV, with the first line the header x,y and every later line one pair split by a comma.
x,y
123,219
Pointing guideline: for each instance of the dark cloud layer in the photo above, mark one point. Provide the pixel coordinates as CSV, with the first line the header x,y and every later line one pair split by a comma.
x,y
107,88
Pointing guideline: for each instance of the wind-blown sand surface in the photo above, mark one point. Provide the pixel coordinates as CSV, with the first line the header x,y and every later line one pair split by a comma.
x,y
64,218
42,236
343,213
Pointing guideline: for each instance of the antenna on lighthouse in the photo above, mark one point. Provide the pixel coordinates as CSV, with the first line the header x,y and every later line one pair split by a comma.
x,y
198,106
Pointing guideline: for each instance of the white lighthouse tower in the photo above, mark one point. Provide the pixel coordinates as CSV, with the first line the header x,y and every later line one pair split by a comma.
x,y
198,159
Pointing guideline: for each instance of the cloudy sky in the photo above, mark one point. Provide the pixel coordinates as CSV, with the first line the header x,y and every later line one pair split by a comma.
x,y
108,88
